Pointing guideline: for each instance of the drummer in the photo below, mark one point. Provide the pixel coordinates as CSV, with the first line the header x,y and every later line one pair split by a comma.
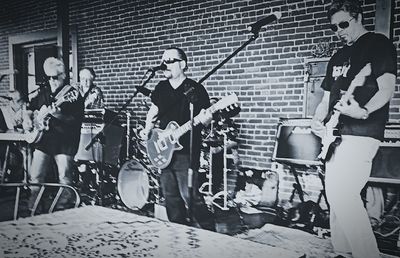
x,y
94,99
92,94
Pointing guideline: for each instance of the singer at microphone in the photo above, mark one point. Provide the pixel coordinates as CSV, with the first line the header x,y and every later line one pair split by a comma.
x,y
255,27
158,68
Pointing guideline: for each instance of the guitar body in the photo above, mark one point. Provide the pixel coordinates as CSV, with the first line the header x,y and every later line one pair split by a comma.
x,y
40,124
42,117
331,136
160,147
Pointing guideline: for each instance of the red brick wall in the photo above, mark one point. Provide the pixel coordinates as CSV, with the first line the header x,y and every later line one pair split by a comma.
x,y
122,39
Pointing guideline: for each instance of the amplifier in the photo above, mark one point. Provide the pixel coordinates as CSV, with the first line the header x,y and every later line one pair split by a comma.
x,y
112,143
101,115
386,164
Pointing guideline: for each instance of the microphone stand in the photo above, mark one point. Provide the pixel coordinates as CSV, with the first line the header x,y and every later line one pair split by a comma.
x,y
100,136
190,170
252,38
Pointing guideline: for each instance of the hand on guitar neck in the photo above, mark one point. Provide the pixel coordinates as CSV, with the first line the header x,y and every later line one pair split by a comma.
x,y
348,106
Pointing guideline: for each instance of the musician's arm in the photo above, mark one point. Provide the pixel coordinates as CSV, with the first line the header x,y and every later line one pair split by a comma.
x,y
150,121
322,109
386,86
69,113
321,112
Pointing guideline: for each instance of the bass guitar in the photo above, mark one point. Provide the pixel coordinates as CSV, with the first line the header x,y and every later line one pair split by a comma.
x,y
162,143
331,134
43,115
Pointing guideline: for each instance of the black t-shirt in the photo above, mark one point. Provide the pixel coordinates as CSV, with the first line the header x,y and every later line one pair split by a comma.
x,y
173,105
63,135
342,68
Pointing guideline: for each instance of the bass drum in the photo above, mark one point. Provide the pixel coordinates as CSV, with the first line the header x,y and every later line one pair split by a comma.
x,y
133,184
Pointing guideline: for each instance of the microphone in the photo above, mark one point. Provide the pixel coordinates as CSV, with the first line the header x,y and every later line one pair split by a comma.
x,y
255,27
158,68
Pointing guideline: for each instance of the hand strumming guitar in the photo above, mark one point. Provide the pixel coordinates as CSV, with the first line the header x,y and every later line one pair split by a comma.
x,y
347,105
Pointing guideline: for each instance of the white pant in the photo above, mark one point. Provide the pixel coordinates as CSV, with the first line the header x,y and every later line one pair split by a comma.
x,y
347,172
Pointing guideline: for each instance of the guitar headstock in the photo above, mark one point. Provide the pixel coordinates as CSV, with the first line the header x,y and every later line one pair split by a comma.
x,y
226,101
230,111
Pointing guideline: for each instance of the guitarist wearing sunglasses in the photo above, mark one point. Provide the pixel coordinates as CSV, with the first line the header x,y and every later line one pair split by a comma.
x,y
170,102
364,69
59,112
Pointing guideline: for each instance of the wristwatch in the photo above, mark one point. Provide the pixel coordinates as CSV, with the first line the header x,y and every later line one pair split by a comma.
x,y
366,115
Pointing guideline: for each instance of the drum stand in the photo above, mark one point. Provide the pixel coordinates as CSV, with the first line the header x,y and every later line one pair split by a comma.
x,y
322,193
208,184
224,192
299,190
210,162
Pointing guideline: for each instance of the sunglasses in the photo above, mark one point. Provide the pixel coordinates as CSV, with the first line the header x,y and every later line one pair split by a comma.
x,y
55,77
343,25
171,61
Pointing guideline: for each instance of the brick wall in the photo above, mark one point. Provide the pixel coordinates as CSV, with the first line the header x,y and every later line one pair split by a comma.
x,y
122,39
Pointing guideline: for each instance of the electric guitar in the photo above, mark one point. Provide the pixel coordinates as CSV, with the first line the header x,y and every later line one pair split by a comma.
x,y
42,117
331,134
162,143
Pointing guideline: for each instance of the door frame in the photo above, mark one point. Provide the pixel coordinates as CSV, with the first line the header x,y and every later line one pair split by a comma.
x,y
37,38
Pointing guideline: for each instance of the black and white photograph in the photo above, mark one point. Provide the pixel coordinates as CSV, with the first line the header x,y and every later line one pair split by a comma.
x,y
207,129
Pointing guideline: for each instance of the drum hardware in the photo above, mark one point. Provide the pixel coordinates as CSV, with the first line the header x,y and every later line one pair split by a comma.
x,y
128,133
210,198
322,192
96,185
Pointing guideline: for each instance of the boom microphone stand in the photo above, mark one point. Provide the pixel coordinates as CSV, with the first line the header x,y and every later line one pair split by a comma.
x,y
190,170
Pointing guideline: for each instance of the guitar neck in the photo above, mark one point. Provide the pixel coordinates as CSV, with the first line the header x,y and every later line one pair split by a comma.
x,y
187,126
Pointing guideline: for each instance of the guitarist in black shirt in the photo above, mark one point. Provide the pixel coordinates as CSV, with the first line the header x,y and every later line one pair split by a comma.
x,y
57,126
170,102
365,69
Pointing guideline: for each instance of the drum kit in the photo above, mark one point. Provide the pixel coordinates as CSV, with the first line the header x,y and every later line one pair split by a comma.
x,y
135,183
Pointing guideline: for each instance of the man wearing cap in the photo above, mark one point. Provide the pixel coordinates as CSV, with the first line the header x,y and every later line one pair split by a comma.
x,y
59,143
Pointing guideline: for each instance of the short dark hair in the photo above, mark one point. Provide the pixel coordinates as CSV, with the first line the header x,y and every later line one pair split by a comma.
x,y
351,6
91,71
182,55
